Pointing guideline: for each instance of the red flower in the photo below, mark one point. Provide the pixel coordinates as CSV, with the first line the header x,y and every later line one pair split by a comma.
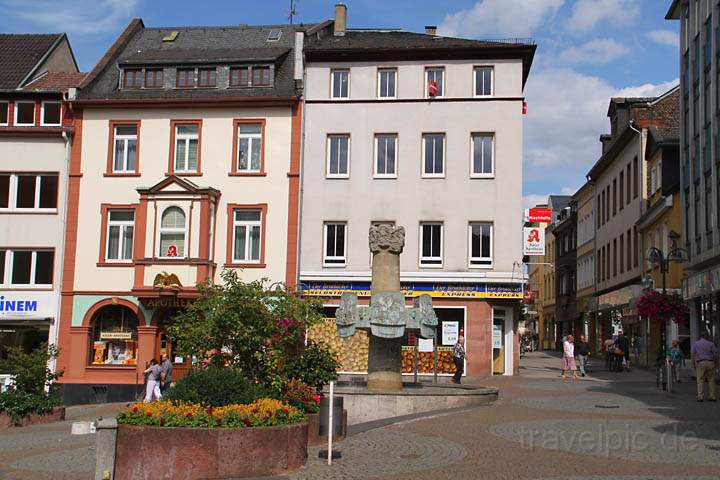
x,y
209,411
149,414
135,409
286,411
316,397
218,420
247,422
254,410
162,421
188,415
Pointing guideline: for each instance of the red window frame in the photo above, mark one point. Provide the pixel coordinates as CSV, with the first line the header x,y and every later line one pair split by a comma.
x,y
207,77
133,78
240,76
154,78
262,74
185,78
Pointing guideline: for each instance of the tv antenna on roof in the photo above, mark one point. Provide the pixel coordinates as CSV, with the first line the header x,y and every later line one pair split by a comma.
x,y
292,13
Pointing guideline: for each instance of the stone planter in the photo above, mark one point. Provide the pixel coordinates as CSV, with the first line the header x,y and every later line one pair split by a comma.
x,y
205,453
314,437
57,415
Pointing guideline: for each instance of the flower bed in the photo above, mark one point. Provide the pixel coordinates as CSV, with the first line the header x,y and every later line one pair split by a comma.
x,y
180,440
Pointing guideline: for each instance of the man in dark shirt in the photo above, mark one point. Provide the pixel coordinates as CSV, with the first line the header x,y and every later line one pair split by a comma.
x,y
459,358
582,350
624,344
167,369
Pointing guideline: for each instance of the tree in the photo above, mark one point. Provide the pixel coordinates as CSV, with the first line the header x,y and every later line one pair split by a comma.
x,y
247,325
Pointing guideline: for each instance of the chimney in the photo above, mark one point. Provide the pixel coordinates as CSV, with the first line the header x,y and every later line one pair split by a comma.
x,y
431,30
340,20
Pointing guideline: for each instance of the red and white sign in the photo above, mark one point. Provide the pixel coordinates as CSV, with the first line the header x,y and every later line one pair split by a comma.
x,y
533,241
172,251
538,215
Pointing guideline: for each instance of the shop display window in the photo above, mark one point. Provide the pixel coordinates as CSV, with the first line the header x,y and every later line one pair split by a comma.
x,y
114,336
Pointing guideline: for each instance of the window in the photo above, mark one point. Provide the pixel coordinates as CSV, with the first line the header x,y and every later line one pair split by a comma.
x,y
274,35
132,78
597,213
334,234
628,260
247,228
153,78
431,244
27,268
482,155
480,244
172,233
21,192
621,256
4,107
24,113
114,336
621,191
187,141
125,148
338,156
433,155
483,81
339,83
207,77
434,81
50,113
629,183
635,247
614,196
240,77
249,147
387,82
185,78
120,229
261,76
386,155
635,177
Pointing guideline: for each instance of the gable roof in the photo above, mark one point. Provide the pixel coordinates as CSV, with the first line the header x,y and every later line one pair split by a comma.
x,y
183,183
20,55
54,82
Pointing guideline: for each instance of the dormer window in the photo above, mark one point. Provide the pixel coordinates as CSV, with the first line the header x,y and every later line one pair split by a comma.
x,y
255,76
261,76
207,77
185,78
153,78
240,77
133,78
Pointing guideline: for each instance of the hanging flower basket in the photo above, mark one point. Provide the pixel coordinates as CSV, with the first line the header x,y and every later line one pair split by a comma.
x,y
658,307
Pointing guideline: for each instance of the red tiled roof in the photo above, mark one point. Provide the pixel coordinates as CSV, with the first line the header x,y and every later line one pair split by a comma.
x,y
19,54
55,82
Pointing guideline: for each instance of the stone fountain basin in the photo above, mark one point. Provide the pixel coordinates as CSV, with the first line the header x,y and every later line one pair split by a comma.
x,y
365,405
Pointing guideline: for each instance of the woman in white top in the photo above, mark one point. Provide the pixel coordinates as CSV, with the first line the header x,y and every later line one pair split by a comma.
x,y
568,360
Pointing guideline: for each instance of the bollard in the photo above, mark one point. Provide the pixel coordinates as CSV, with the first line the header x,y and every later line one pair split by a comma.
x,y
105,449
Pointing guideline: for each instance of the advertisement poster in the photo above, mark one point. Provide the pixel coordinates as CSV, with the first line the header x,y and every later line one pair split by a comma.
x,y
425,345
533,241
450,331
497,336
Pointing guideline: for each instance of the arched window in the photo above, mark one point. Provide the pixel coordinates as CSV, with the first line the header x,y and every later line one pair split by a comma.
x,y
114,334
172,233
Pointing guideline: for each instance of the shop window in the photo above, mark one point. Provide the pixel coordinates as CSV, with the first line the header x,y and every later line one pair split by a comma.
x,y
51,113
249,148
480,244
27,268
247,236
120,229
431,244
338,156
114,335
385,156
24,113
172,233
335,244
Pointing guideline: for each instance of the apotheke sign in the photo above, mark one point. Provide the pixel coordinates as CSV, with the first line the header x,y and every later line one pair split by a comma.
x,y
17,305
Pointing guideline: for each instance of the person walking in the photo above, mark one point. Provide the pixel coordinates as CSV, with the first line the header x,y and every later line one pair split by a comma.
x,y
677,360
459,358
623,344
705,361
568,360
153,372
167,370
582,349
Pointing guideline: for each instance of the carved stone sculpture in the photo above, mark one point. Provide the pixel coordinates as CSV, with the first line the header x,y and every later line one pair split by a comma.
x,y
387,318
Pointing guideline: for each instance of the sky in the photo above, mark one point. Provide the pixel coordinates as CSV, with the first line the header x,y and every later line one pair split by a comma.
x,y
588,51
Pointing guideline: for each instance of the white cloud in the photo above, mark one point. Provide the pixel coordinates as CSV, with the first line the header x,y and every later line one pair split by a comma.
x,y
586,14
664,37
647,89
72,16
603,50
499,17
531,200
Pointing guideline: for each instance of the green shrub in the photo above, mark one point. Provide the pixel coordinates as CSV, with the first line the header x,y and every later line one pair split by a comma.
x,y
29,371
18,405
315,366
304,397
216,387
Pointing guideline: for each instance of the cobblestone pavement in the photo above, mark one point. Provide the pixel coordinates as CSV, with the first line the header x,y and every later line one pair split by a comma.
x,y
605,426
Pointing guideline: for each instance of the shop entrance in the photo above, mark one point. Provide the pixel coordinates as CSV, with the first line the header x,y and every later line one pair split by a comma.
x,y
502,341
164,345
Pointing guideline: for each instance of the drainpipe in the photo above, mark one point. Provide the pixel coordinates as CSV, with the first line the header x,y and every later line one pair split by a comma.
x,y
641,160
302,173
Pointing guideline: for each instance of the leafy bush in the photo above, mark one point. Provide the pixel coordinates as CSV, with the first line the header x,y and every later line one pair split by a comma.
x,y
315,366
263,413
29,371
216,387
18,405
302,396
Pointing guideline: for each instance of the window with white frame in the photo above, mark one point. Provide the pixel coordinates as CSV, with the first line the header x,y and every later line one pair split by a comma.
x,y
24,113
482,155
387,81
480,238
26,268
125,148
4,108
50,113
247,232
249,147
386,155
172,233
28,192
483,81
434,82
340,83
186,148
433,155
431,238
335,238
120,229
338,156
